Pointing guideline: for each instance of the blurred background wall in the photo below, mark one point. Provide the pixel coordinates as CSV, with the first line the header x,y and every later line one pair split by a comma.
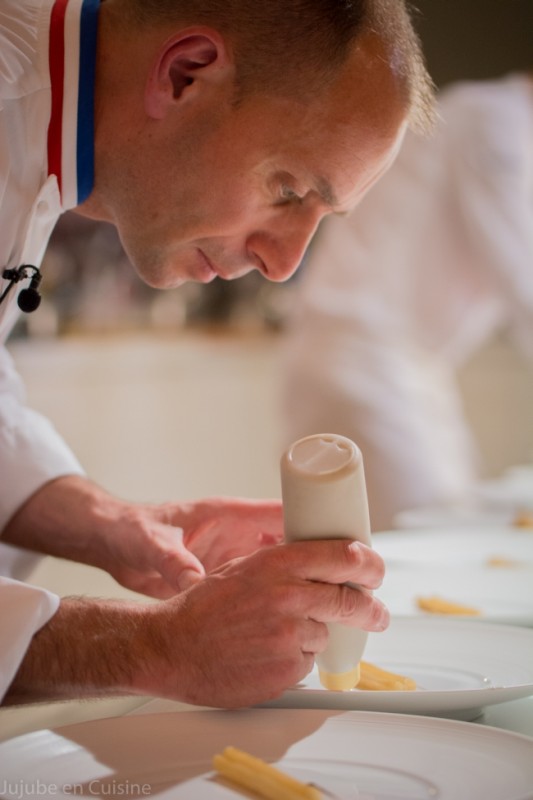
x,y
475,39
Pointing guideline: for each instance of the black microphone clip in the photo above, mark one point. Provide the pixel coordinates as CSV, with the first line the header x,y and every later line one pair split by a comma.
x,y
29,299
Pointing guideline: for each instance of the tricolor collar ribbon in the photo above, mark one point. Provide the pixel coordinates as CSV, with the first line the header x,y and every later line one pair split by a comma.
x,y
72,55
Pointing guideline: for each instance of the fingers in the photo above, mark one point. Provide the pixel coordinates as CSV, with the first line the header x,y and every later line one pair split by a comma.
x,y
349,604
332,561
315,580
326,602
345,604
177,565
266,514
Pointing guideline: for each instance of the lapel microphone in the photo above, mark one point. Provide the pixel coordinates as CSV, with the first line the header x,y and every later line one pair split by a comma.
x,y
29,299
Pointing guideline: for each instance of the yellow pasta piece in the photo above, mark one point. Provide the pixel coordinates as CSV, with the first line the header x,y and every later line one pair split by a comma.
x,y
438,605
252,773
524,520
376,679
501,561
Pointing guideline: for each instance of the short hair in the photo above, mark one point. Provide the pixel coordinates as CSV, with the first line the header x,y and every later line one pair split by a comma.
x,y
289,47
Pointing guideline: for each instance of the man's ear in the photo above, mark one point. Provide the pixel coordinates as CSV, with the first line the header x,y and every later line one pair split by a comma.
x,y
188,57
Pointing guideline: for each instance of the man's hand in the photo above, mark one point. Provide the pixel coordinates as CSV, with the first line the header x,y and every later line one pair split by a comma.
x,y
241,636
251,629
180,542
155,550
219,529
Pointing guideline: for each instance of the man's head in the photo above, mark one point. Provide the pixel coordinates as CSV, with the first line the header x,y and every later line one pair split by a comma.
x,y
290,47
226,129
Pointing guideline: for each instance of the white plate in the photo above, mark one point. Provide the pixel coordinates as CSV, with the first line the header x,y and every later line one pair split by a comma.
x,y
503,596
456,546
456,515
358,755
491,502
458,665
458,564
512,491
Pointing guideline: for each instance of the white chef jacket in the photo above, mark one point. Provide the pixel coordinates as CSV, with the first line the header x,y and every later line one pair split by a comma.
x,y
47,57
392,299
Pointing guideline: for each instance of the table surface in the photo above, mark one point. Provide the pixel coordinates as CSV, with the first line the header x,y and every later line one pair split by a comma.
x,y
516,716
83,370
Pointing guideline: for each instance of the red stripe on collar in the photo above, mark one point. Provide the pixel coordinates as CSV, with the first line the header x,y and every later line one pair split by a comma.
x,y
57,73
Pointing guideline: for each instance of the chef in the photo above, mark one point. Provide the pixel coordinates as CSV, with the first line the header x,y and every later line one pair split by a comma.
x,y
213,156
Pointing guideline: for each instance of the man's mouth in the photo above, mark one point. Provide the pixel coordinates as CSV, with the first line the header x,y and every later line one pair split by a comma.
x,y
216,271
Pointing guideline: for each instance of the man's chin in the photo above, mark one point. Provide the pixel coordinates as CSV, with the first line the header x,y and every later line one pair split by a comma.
x,y
157,275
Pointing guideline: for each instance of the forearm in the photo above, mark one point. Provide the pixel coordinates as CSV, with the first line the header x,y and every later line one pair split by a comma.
x,y
89,648
32,452
239,637
157,550
137,544
66,518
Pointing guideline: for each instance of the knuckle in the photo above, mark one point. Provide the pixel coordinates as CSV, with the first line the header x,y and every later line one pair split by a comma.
x,y
364,561
361,608
350,601
376,615
353,554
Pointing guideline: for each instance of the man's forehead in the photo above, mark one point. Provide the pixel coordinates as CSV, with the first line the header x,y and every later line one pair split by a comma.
x,y
362,168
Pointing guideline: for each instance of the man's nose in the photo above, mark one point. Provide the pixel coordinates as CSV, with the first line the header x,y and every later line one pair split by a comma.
x,y
279,249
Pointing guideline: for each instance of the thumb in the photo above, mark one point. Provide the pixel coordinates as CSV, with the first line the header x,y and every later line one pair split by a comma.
x,y
178,566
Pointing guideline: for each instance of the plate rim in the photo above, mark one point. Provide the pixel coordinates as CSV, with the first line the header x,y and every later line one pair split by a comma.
x,y
434,702
390,725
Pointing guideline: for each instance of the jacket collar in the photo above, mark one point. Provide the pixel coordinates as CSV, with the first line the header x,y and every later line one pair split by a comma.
x,y
72,58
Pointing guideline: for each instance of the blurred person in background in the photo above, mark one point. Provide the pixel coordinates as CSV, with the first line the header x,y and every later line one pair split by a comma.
x,y
215,141
392,300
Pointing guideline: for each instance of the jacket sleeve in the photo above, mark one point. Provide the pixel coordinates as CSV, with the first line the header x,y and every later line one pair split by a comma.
x,y
23,611
31,451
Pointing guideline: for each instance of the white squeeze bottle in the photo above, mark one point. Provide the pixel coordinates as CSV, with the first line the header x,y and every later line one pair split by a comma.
x,y
324,497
